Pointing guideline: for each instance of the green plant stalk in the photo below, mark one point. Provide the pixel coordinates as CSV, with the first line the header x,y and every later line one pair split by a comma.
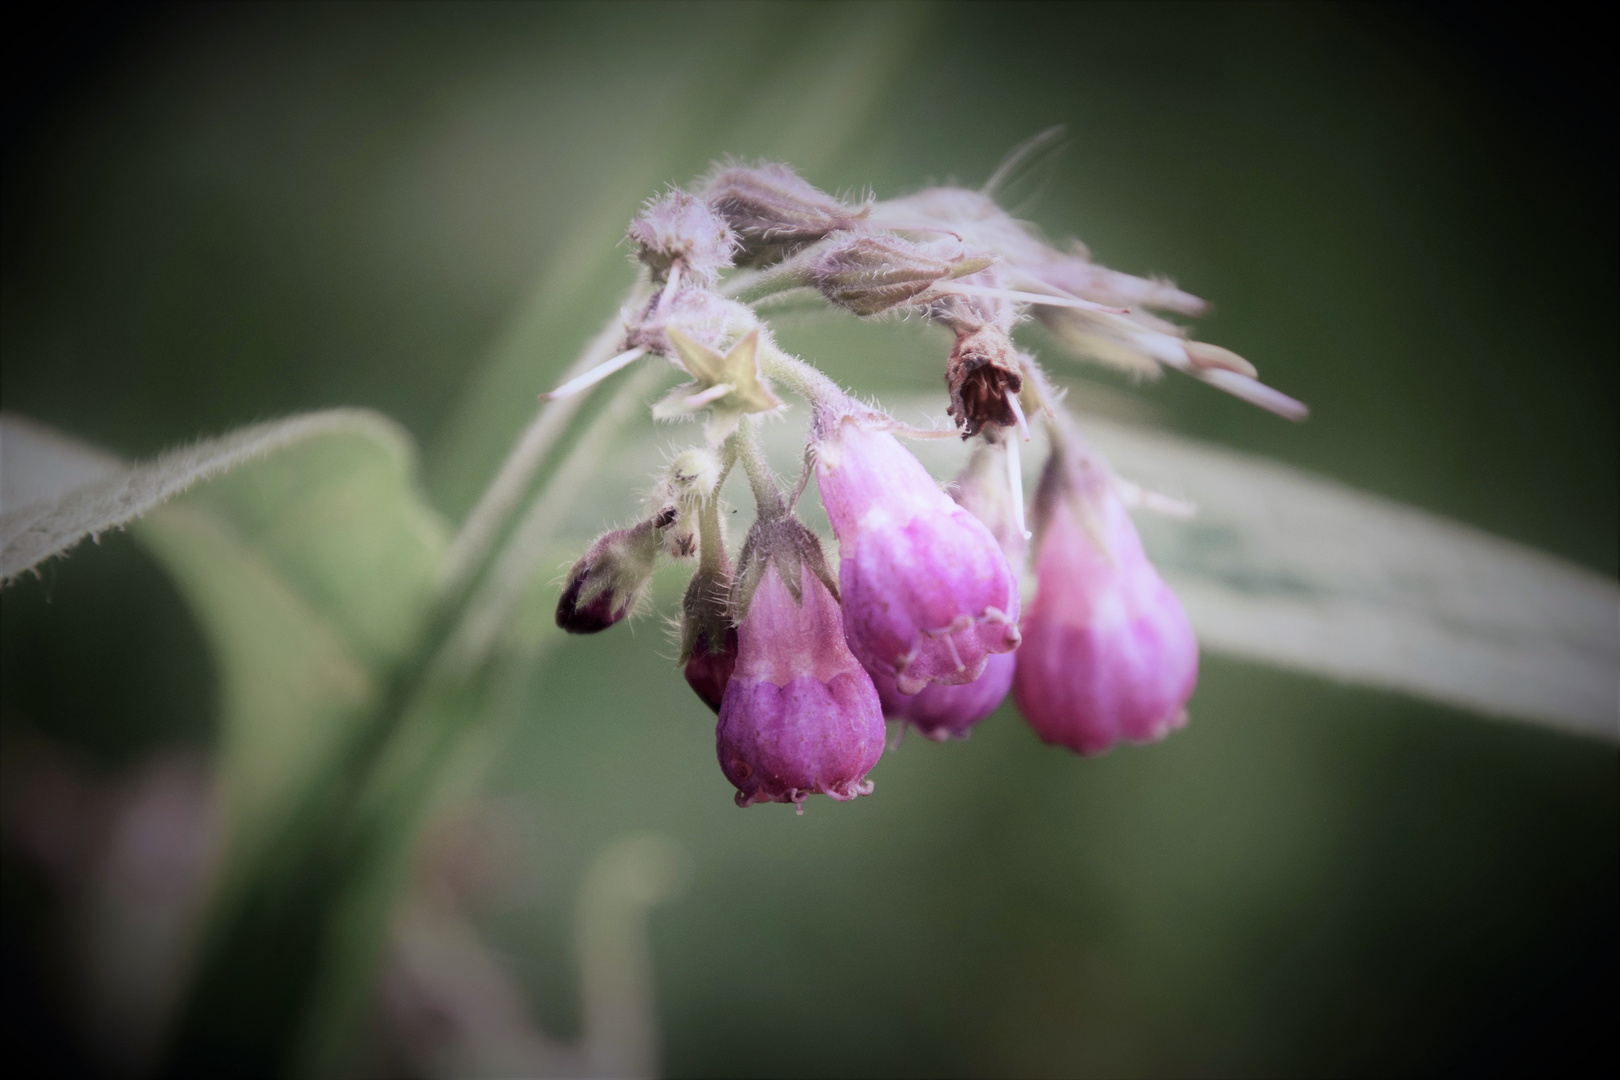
x,y
345,836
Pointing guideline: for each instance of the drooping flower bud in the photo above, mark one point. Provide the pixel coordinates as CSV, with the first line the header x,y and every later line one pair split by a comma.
x,y
612,576
680,227
928,594
708,638
799,714
983,378
774,211
1108,654
948,712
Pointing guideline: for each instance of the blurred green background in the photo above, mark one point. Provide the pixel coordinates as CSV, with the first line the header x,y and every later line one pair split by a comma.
x,y
1404,216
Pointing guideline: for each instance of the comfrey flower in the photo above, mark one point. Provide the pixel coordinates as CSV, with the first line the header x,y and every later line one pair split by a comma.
x,y
1108,654
939,711
799,715
928,593
923,619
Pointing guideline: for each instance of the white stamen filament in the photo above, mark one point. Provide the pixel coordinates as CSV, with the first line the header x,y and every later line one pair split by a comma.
x,y
1018,412
670,286
1021,297
1255,393
596,374
1137,497
1015,483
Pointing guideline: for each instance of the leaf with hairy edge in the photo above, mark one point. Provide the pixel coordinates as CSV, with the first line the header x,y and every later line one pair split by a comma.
x,y
57,490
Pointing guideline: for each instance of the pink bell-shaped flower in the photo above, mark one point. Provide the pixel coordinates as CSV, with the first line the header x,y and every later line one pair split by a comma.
x,y
1108,654
948,712
928,594
942,712
799,714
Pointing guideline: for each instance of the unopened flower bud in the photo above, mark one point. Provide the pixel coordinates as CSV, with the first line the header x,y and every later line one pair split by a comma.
x,y
983,378
694,473
610,579
869,274
799,714
708,638
679,227
1108,654
928,594
774,211
690,479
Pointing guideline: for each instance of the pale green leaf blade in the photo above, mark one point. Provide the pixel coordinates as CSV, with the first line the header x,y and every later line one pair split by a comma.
x,y
289,683
73,491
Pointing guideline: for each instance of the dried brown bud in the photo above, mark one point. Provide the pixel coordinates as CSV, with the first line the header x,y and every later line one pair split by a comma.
x,y
981,375
774,211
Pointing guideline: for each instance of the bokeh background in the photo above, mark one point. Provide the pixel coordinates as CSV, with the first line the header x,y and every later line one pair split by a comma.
x,y
1405,216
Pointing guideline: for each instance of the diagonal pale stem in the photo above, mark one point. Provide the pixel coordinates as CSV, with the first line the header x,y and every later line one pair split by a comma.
x,y
491,606
489,518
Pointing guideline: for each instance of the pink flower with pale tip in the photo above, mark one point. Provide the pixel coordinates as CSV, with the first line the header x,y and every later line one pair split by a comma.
x,y
1108,654
927,593
799,715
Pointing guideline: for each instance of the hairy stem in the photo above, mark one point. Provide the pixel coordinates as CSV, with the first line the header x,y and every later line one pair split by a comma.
x,y
767,495
805,380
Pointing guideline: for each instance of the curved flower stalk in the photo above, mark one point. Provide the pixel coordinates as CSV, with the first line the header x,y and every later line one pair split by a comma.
x,y
923,619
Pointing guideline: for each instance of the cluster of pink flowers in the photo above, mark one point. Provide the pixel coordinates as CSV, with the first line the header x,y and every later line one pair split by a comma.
x,y
923,622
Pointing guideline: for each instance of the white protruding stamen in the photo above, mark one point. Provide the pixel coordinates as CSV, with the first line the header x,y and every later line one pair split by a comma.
x,y
1255,393
595,374
1015,484
670,286
1137,497
1018,411
1028,297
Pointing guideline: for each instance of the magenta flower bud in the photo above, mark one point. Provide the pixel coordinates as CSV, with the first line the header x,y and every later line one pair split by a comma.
x,y
1108,654
678,227
709,668
612,576
928,594
708,638
799,715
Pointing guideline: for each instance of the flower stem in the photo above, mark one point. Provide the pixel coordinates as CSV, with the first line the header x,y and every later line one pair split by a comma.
x,y
471,549
767,495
